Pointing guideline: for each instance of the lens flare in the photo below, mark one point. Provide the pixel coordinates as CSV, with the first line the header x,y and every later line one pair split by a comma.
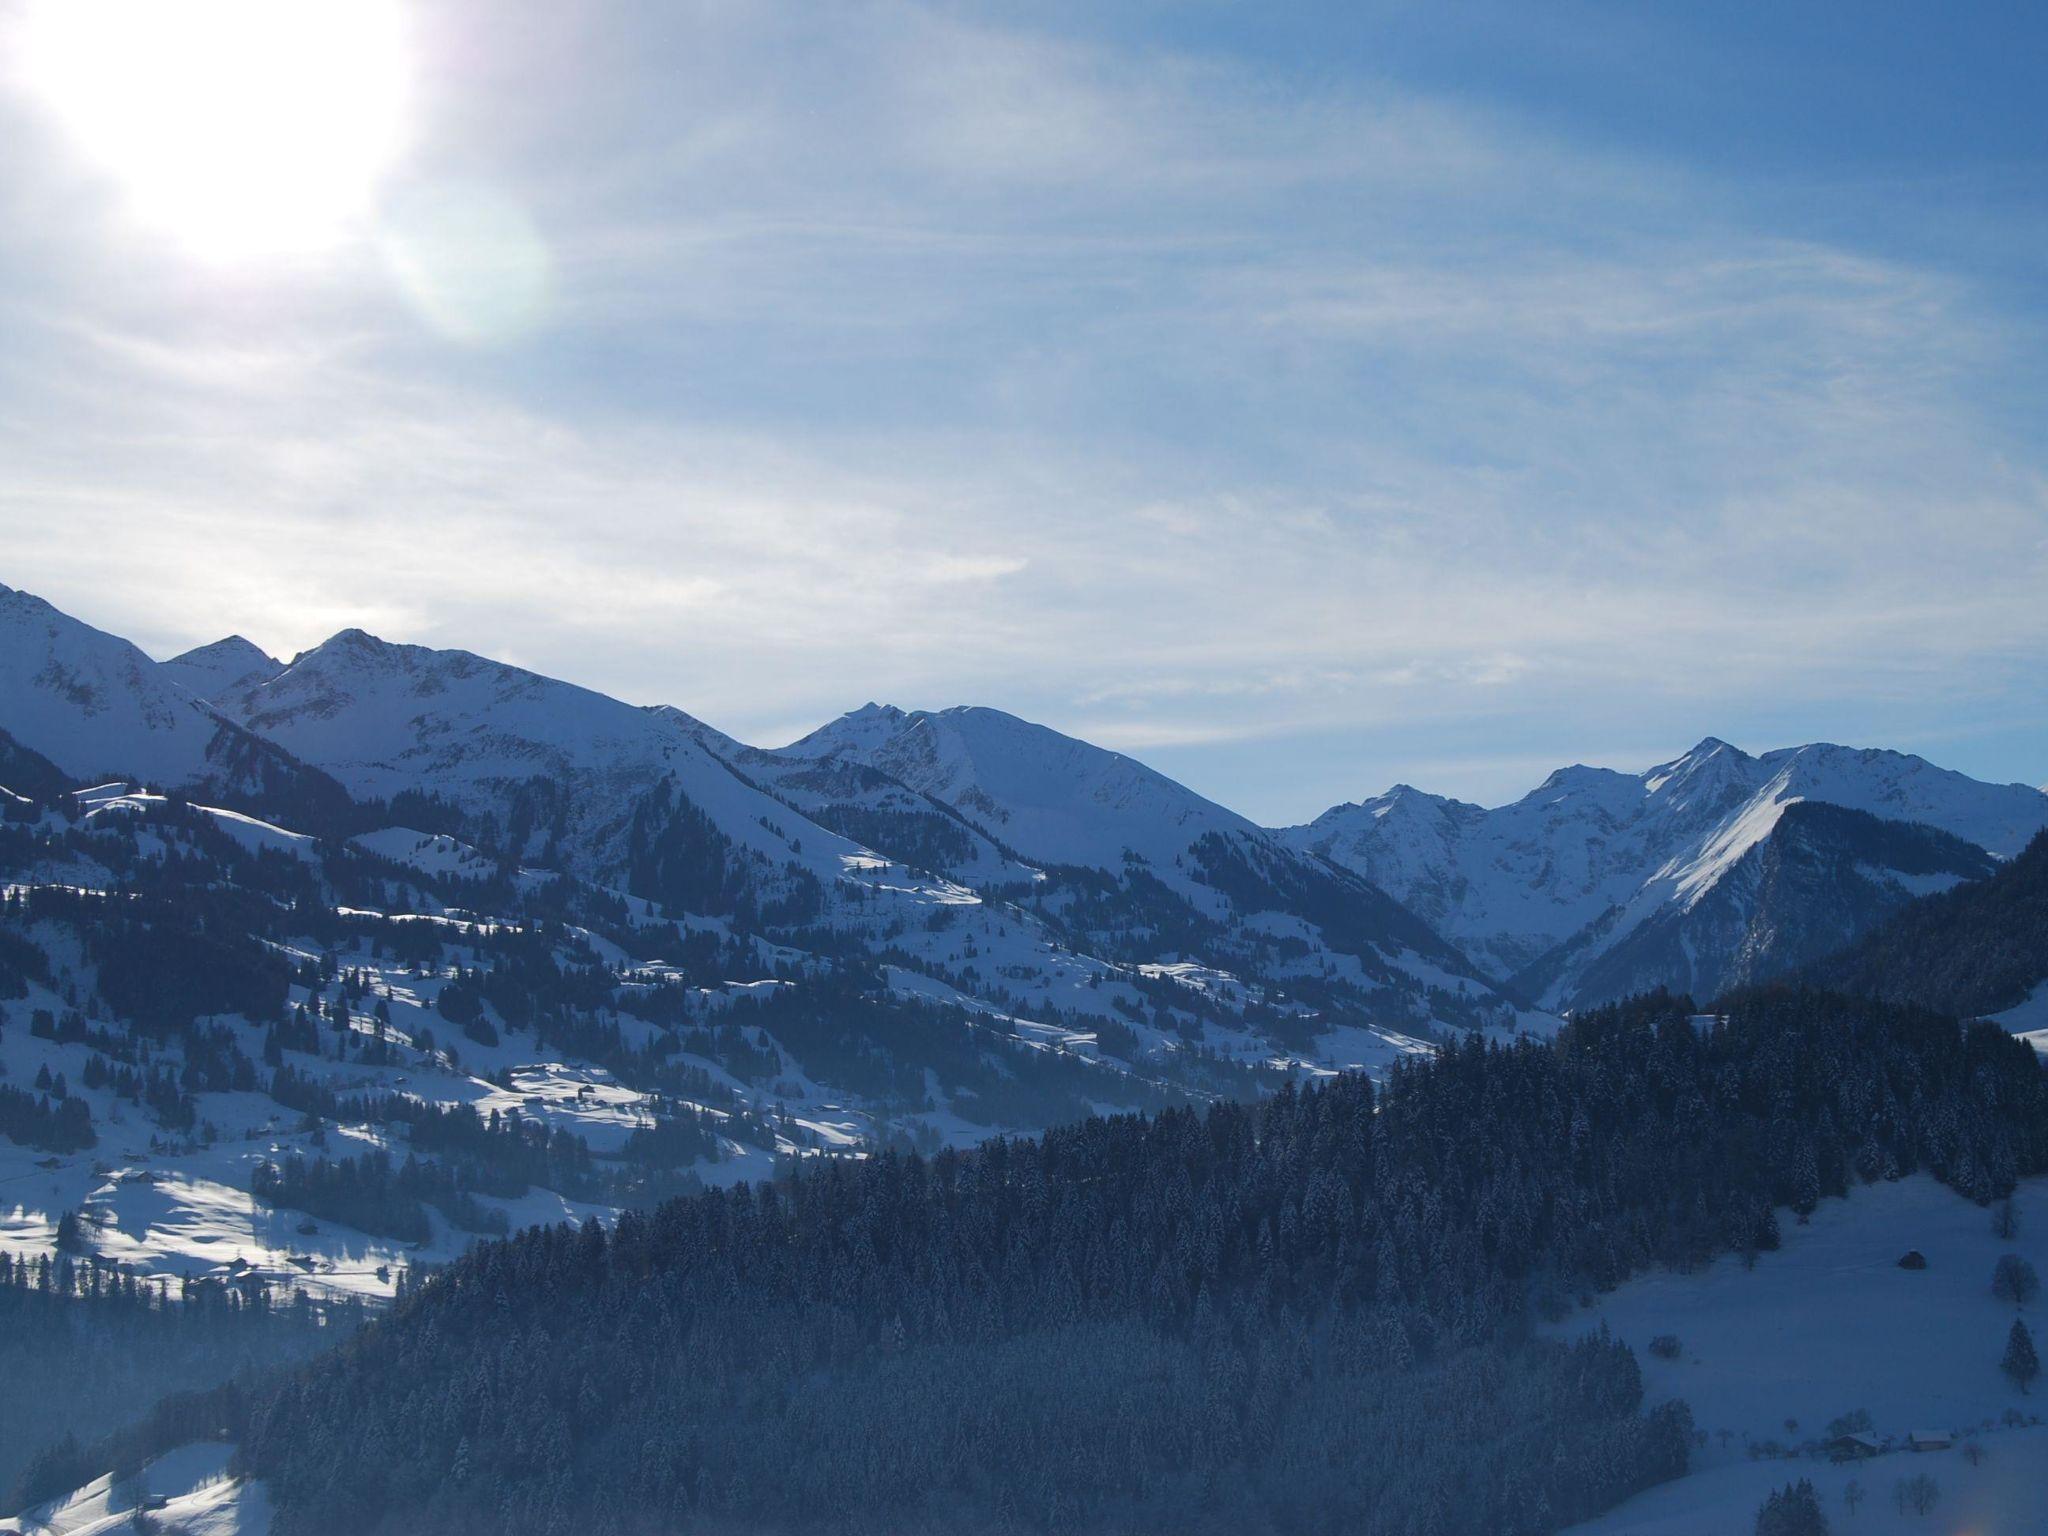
x,y
469,259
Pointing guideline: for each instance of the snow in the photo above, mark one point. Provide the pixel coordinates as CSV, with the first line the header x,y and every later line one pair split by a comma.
x,y
1593,853
383,718
92,703
183,1211
186,1489
1052,798
2005,1494
435,854
256,835
212,672
1827,1325
2000,818
2028,1019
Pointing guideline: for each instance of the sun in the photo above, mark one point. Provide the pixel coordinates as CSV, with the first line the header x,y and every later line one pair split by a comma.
x,y
237,128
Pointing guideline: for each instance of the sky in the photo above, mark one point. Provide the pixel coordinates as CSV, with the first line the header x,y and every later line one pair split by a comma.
x,y
1303,399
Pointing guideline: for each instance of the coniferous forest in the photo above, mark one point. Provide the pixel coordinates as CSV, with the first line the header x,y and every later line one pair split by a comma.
x,y
1314,1313
1975,949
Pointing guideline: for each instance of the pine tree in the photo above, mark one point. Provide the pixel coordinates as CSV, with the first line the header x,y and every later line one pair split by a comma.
x,y
2020,1362
2014,1280
1793,1510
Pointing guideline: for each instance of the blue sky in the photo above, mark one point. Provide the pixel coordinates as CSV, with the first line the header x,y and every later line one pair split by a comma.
x,y
1302,398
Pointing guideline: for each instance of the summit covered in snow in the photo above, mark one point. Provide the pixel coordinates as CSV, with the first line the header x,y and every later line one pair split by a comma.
x,y
1544,893
214,672
81,703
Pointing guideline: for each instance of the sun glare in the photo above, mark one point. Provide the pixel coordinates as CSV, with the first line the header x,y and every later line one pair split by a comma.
x,y
237,127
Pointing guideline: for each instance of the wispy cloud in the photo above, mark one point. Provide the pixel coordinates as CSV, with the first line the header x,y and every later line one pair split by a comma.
x,y
890,354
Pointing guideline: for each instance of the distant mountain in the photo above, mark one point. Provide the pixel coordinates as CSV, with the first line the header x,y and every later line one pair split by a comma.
x,y
1538,892
1511,884
1824,875
816,841
92,705
980,858
549,772
1981,949
868,805
212,672
1054,799
1136,865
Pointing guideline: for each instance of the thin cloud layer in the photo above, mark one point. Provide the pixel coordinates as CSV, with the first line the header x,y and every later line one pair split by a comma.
x,y
1152,392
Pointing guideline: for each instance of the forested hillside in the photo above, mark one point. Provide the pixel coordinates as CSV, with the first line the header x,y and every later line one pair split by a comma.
x,y
1978,949
1309,1314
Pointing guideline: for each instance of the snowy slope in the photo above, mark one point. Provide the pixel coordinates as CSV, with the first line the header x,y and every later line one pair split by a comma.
x,y
1823,876
212,672
1511,883
1592,854
636,798
95,705
384,718
864,803
1998,818
1136,860
498,740
1828,1325
1050,797
188,1489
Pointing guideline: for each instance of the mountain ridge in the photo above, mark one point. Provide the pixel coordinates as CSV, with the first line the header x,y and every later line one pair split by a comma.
x,y
1537,890
1404,908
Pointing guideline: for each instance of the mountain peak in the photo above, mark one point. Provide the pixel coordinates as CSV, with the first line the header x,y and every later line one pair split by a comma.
x,y
93,703
240,647
223,667
858,731
353,639
1579,777
1708,767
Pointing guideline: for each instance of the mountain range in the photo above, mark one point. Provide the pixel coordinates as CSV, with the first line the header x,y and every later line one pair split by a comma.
x,y
1711,870
1394,917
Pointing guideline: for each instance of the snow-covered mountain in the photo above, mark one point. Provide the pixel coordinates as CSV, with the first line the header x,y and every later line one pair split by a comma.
x,y
563,775
1824,876
91,704
1134,861
1054,799
1540,890
213,672
864,803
